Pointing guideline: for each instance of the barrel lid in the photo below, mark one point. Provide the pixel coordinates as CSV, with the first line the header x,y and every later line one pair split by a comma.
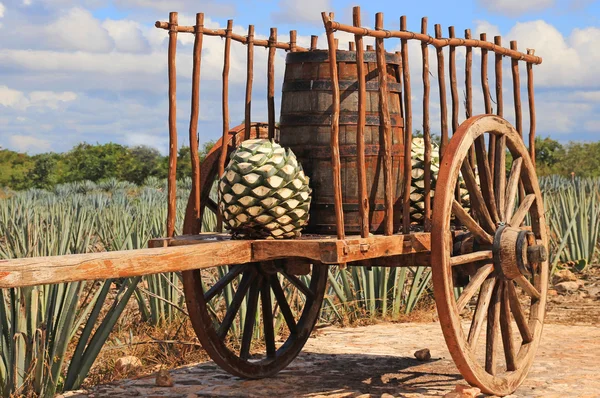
x,y
322,56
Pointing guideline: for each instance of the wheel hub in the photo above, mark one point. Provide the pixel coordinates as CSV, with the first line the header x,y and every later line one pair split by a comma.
x,y
516,252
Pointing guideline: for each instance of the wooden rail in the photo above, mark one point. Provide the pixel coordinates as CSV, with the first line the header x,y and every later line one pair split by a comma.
x,y
204,251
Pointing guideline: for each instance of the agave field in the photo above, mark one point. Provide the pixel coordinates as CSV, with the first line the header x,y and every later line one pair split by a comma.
x,y
51,335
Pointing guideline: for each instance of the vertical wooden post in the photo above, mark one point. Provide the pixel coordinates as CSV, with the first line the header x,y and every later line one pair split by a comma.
x,y
407,131
335,127
531,101
363,193
385,125
469,91
500,148
172,181
487,100
426,127
517,90
249,79
351,46
198,39
293,41
225,107
453,83
442,86
271,82
313,42
370,47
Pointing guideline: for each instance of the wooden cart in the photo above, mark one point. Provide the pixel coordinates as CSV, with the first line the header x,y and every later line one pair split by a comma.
x,y
490,253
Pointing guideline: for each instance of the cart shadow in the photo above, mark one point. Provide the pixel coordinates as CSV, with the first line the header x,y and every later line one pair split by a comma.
x,y
317,374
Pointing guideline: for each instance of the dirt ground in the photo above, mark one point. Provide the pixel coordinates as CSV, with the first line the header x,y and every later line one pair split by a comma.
x,y
378,361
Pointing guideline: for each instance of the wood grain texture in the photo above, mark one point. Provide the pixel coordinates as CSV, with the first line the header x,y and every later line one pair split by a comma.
x,y
363,204
481,310
172,172
194,115
531,103
472,225
426,129
442,91
335,132
271,82
407,130
387,131
476,281
249,80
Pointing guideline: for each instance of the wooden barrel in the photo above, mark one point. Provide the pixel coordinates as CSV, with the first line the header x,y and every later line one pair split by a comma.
x,y
305,127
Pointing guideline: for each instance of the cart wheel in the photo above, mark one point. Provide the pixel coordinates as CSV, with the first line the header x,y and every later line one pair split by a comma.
x,y
247,339
244,338
500,245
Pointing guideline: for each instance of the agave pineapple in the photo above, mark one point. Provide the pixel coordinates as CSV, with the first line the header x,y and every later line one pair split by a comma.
x,y
417,188
264,192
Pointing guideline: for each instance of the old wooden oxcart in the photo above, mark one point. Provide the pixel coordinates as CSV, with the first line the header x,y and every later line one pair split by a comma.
x,y
357,105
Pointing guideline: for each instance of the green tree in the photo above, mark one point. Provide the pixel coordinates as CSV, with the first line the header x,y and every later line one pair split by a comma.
x,y
143,162
44,174
95,162
548,154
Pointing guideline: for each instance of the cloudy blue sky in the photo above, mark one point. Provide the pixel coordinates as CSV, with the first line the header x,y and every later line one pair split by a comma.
x,y
95,71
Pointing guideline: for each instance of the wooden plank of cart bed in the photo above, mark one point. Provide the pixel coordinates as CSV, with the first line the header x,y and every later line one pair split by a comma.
x,y
333,251
120,264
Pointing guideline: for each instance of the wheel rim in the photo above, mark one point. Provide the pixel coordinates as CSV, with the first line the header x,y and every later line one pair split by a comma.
x,y
258,286
490,258
289,306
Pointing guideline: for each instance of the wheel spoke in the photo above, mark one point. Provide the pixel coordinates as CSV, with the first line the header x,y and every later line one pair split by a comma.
x,y
470,223
300,285
518,314
500,174
476,281
476,198
236,302
284,307
265,294
471,257
506,328
522,211
512,188
483,303
224,281
493,319
250,318
485,177
528,287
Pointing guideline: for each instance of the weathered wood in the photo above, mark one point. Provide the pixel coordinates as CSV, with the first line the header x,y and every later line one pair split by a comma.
x,y
506,329
306,106
363,204
500,175
249,79
442,91
517,311
493,324
313,42
486,178
172,173
293,35
483,303
194,114
386,127
335,132
453,82
436,42
516,90
407,131
476,198
225,110
471,257
512,188
470,223
528,287
121,264
522,211
351,46
476,281
426,130
531,102
469,92
271,82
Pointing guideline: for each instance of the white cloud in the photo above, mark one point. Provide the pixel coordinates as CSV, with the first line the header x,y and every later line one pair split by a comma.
x,y
485,27
11,98
515,8
127,35
293,11
77,29
26,143
18,100
2,9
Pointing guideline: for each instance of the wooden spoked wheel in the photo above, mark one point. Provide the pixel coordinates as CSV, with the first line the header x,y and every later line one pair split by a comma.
x,y
252,319
491,255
